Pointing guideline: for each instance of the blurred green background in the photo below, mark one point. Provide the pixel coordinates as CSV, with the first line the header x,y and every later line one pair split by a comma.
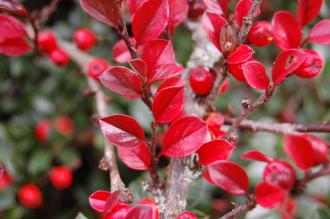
x,y
32,89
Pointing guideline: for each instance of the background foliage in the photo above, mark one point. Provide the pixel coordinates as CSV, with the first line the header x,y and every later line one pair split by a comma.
x,y
33,89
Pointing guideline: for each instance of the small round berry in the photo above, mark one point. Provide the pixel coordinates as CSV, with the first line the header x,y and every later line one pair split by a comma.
x,y
96,67
30,196
201,81
5,180
61,177
187,215
311,66
261,33
47,41
59,57
42,130
280,173
64,125
84,39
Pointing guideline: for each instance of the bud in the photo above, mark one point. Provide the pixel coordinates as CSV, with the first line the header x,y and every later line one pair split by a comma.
x,y
228,40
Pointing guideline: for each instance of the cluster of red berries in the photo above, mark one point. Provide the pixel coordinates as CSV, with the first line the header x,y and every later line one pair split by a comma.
x,y
30,194
63,125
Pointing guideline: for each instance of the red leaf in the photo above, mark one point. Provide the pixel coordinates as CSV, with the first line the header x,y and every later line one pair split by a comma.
x,y
133,5
150,20
168,104
178,12
171,82
139,66
120,51
14,47
118,212
157,53
187,215
112,201
212,24
287,31
122,130
300,150
237,72
98,200
217,6
255,75
229,176
146,208
185,136
167,71
137,158
287,62
257,155
214,150
269,196
13,6
241,10
123,81
11,27
320,147
106,11
320,33
241,54
308,10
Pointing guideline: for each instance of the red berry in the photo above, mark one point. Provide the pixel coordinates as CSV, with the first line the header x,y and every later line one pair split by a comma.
x,y
42,130
5,180
96,67
201,81
261,33
311,66
187,215
30,196
280,173
64,125
59,57
84,39
47,41
61,177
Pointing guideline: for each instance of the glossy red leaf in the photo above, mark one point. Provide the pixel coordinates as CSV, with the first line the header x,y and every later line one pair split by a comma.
x,y
122,130
112,201
286,29
171,82
241,54
157,53
105,11
214,150
241,10
184,136
187,215
123,81
308,10
229,176
11,27
13,6
178,12
120,51
286,63
14,47
320,33
150,20
300,150
217,6
212,24
257,155
167,71
269,196
321,149
146,208
118,212
255,75
237,72
98,200
139,66
137,158
133,5
168,104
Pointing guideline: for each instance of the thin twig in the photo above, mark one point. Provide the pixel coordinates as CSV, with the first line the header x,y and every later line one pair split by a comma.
x,y
240,208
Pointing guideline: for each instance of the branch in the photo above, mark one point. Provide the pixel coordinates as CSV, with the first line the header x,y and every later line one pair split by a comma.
x,y
239,209
280,128
108,162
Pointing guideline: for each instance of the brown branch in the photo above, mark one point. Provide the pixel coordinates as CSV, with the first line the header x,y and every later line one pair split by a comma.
x,y
280,128
249,108
240,208
109,160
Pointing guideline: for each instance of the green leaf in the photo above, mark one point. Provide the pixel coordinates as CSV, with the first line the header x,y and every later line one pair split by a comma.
x,y
321,213
70,159
39,162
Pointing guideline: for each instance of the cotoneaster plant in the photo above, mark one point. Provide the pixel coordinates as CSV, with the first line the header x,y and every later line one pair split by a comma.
x,y
181,100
